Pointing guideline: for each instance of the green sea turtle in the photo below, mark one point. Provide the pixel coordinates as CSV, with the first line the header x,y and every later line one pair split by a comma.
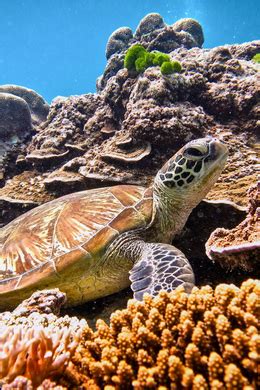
x,y
96,242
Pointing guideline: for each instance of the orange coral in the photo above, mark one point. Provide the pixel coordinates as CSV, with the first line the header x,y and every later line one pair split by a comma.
x,y
208,339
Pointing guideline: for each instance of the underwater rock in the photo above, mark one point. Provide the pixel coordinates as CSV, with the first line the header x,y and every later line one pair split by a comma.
x,y
239,247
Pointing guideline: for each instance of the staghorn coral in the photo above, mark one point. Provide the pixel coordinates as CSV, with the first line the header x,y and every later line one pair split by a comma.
x,y
208,339
37,352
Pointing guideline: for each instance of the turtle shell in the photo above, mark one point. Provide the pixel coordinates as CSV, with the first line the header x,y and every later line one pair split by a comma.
x,y
53,236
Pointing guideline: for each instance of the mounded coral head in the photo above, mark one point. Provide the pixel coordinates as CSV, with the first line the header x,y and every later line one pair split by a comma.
x,y
191,26
118,41
149,23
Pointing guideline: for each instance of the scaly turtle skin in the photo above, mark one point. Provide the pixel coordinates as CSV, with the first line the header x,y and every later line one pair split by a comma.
x,y
87,243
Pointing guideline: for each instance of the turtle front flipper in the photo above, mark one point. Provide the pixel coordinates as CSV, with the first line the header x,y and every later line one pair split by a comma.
x,y
161,267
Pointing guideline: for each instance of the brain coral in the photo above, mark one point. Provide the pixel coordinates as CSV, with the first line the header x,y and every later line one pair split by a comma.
x,y
208,339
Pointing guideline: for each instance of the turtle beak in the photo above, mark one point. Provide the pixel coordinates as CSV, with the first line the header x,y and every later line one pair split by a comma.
x,y
217,151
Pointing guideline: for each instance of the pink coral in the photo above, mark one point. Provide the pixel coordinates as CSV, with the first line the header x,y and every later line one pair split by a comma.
x,y
37,352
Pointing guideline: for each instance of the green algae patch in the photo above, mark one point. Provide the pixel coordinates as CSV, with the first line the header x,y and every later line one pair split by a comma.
x,y
170,67
256,58
137,59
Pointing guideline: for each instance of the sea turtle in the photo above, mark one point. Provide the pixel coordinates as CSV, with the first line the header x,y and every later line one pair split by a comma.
x,y
96,242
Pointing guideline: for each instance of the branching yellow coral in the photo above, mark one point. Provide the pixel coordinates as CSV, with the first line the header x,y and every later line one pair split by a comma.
x,y
206,340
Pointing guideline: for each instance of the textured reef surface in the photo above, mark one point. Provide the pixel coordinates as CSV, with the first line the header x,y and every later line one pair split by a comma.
x,y
122,135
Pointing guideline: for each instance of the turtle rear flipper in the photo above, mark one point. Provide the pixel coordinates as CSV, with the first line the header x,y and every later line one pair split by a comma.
x,y
161,267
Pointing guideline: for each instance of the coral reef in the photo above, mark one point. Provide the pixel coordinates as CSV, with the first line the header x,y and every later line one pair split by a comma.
x,y
207,339
154,34
124,133
239,247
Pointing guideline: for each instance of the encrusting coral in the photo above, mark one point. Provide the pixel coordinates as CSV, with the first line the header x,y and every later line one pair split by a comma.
x,y
208,339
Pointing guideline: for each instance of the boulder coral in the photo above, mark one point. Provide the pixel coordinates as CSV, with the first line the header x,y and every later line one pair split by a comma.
x,y
21,111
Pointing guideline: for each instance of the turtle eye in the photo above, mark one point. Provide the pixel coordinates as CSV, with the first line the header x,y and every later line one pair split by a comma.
x,y
194,152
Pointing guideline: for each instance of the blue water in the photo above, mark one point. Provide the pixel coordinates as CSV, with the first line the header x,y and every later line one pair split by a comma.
x,y
57,47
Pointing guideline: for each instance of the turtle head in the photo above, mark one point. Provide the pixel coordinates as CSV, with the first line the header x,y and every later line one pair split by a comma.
x,y
193,170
